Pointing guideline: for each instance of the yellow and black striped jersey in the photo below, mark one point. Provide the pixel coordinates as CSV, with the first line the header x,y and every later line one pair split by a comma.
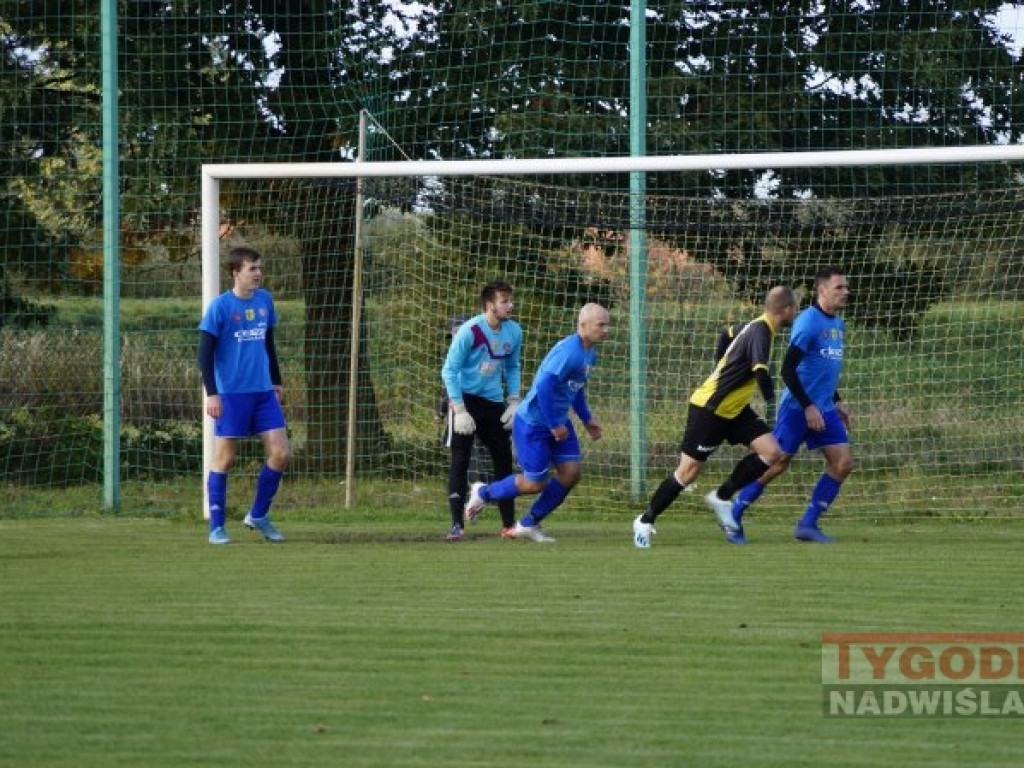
x,y
728,389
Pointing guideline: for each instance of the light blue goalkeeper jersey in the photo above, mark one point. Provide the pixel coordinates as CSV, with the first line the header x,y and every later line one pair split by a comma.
x,y
484,362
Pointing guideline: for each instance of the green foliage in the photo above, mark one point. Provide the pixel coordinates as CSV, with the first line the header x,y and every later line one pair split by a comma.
x,y
19,312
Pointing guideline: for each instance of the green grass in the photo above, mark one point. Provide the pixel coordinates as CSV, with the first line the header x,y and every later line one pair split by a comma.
x,y
369,641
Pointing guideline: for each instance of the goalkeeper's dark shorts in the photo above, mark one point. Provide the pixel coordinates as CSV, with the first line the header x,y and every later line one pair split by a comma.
x,y
705,431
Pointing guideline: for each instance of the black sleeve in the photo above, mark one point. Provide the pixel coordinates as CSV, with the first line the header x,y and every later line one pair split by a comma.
x,y
725,338
275,367
207,345
764,381
789,363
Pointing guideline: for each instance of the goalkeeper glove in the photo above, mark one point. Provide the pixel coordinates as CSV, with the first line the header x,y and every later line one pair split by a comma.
x,y
464,424
510,411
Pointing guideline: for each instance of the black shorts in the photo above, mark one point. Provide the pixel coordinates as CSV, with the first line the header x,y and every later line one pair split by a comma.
x,y
705,431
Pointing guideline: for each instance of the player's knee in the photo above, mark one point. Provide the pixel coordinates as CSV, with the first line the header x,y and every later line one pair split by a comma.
x,y
527,486
569,475
843,467
278,456
772,457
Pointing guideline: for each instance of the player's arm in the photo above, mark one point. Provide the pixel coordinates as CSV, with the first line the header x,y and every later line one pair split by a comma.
x,y
760,351
790,377
453,362
724,340
513,370
207,354
463,422
547,384
275,365
579,404
513,381
765,384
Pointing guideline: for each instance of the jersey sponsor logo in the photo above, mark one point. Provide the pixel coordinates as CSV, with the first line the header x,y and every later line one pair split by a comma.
x,y
487,368
251,334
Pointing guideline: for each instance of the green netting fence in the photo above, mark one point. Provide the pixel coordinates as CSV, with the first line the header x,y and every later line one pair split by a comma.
x,y
934,252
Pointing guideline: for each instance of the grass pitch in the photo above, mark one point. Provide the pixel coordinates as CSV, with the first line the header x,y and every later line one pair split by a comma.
x,y
372,642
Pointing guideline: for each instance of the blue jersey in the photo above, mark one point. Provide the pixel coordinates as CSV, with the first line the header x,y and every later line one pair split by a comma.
x,y
241,362
480,358
561,377
820,337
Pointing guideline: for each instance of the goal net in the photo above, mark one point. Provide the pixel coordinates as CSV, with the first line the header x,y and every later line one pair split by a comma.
x,y
367,274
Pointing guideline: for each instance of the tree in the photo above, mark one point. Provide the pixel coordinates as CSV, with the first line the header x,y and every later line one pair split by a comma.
x,y
200,82
722,77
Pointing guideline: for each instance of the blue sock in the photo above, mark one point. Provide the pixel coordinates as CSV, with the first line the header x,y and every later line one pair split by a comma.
x,y
824,493
217,497
500,489
267,483
747,496
554,493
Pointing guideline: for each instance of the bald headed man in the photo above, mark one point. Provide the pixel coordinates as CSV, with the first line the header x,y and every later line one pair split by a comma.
x,y
542,431
720,411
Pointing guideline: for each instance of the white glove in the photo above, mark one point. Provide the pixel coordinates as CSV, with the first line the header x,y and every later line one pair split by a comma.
x,y
506,417
464,424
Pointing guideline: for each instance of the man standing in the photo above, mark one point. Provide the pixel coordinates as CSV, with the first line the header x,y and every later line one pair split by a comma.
x,y
242,379
482,362
543,432
811,410
720,411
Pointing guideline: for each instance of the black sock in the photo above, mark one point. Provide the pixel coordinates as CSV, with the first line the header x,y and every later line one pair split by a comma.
x,y
746,471
662,498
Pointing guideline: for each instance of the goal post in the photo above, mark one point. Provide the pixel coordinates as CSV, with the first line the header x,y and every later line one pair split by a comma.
x,y
700,222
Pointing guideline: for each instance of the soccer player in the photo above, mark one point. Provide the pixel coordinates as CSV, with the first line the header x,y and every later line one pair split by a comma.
x,y
719,410
810,409
482,362
543,432
242,378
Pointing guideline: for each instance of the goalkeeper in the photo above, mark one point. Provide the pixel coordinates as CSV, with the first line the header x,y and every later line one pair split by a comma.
x,y
483,365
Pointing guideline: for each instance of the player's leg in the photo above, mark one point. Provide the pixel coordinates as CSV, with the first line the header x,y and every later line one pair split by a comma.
x,y
224,451
790,431
533,448
461,447
567,457
269,424
701,438
497,440
839,463
746,428
227,430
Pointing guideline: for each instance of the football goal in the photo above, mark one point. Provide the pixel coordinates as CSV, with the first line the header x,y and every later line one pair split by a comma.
x,y
368,260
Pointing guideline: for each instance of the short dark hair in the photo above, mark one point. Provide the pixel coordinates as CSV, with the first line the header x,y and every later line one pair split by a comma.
x,y
240,254
825,274
492,289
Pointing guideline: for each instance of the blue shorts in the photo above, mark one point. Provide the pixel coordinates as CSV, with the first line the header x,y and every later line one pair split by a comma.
x,y
537,449
791,430
247,414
